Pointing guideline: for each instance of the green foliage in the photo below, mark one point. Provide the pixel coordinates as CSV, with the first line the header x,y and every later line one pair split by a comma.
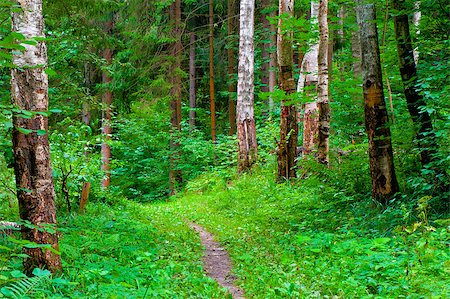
x,y
306,240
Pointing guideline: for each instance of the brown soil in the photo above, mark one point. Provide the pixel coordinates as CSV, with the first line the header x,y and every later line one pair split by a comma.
x,y
217,262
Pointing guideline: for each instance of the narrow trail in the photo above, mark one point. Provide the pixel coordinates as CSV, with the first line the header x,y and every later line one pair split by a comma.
x,y
217,262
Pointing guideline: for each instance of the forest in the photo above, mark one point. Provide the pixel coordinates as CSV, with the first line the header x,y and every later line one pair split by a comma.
x,y
225,149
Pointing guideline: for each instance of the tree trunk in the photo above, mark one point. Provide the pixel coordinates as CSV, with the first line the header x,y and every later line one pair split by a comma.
x,y
287,147
212,101
175,176
273,60
246,129
308,80
322,87
192,74
415,101
231,22
384,181
416,21
107,112
35,189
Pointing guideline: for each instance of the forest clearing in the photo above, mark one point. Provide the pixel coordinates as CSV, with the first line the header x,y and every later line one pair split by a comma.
x,y
225,149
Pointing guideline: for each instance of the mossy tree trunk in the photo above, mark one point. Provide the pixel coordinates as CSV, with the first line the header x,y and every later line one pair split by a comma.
x,y
384,180
415,101
287,147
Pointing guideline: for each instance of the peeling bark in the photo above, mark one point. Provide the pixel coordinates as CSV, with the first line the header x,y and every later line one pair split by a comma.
x,y
308,80
246,129
34,181
287,146
384,180
322,87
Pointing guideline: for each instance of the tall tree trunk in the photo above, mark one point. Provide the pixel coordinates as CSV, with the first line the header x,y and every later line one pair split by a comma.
x,y
308,80
273,60
246,129
35,189
384,181
414,100
107,112
265,54
322,86
175,176
192,74
212,101
416,21
287,147
231,23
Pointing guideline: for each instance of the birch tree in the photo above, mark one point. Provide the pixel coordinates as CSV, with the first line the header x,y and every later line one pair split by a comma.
x,y
384,180
322,86
287,146
246,130
34,181
307,82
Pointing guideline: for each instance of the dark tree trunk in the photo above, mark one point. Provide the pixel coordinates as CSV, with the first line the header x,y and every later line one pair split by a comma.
x,y
232,63
192,91
175,176
35,189
415,101
384,181
287,147
212,100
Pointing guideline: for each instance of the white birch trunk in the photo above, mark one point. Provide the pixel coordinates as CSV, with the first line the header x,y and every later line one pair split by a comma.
x,y
322,86
309,78
246,129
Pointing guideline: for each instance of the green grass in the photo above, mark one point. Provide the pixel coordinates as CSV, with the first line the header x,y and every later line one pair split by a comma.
x,y
310,241
302,239
126,251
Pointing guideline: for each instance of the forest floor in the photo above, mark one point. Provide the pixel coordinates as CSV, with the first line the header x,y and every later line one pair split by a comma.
x,y
286,240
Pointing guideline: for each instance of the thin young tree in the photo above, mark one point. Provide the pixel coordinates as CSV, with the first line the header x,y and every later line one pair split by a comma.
x,y
232,63
414,100
384,180
33,171
246,129
322,86
107,99
212,99
287,146
192,81
175,175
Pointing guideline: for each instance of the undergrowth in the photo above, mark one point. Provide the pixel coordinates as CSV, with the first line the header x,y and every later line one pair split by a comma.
x,y
125,251
308,240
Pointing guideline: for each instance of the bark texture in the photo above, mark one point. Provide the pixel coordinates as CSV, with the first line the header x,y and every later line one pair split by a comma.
x,y
175,175
322,86
384,181
107,99
246,130
35,189
232,8
212,100
308,80
415,101
287,146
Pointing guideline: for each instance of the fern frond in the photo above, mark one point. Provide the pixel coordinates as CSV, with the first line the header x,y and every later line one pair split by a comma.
x,y
21,288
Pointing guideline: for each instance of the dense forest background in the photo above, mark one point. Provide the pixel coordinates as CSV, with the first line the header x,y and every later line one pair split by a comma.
x,y
122,90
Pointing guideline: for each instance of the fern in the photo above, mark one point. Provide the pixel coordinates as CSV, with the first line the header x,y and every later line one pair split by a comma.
x,y
23,287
